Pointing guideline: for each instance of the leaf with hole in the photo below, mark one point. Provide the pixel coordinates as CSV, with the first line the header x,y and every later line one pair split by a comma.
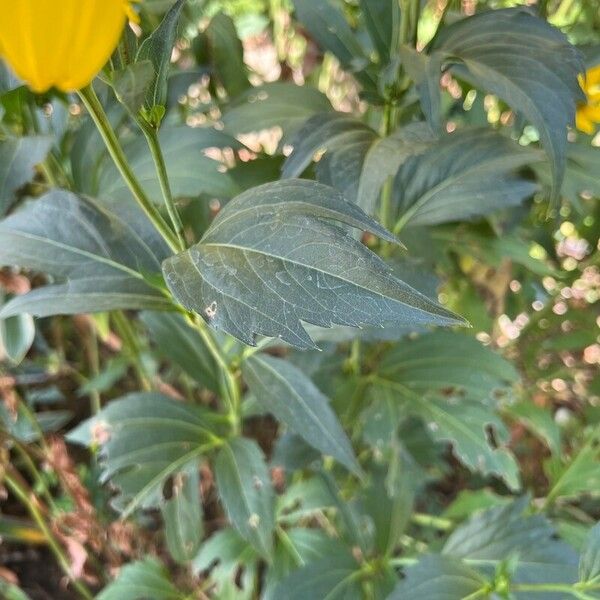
x,y
145,578
147,440
274,256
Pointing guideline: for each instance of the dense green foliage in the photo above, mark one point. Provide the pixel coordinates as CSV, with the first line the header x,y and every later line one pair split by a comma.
x,y
345,344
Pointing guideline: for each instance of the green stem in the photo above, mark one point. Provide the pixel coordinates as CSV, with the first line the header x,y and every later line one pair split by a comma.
x,y
90,100
54,546
385,206
229,387
151,136
431,521
132,348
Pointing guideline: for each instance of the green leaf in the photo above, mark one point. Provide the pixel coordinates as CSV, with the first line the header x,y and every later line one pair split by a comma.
x,y
578,475
295,400
18,157
523,60
145,578
322,133
246,491
386,156
439,578
102,257
273,257
191,173
328,26
145,439
589,561
539,420
16,336
389,512
450,381
465,424
278,104
382,19
232,564
131,83
467,174
504,532
180,344
157,48
333,577
449,363
183,517
227,54
303,546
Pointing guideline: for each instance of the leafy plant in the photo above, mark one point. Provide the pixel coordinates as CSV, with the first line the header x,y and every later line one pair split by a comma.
x,y
331,307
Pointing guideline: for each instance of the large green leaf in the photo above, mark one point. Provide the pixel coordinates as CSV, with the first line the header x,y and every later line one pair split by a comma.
x,y
101,257
145,578
449,363
191,173
273,258
439,578
278,104
466,174
180,344
450,381
145,439
18,157
503,532
294,399
523,60
246,491
157,48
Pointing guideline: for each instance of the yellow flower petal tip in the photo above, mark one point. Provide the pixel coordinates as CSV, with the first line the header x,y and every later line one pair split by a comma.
x,y
588,112
62,45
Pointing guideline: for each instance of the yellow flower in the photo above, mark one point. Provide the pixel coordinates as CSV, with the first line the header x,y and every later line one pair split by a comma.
x,y
64,43
588,113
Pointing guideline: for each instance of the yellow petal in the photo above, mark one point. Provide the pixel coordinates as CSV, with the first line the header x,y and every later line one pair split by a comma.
x,y
584,124
62,44
593,76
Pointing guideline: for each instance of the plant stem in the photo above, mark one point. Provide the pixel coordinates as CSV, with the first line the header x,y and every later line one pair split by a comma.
x,y
385,206
128,337
151,136
229,387
90,100
31,505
